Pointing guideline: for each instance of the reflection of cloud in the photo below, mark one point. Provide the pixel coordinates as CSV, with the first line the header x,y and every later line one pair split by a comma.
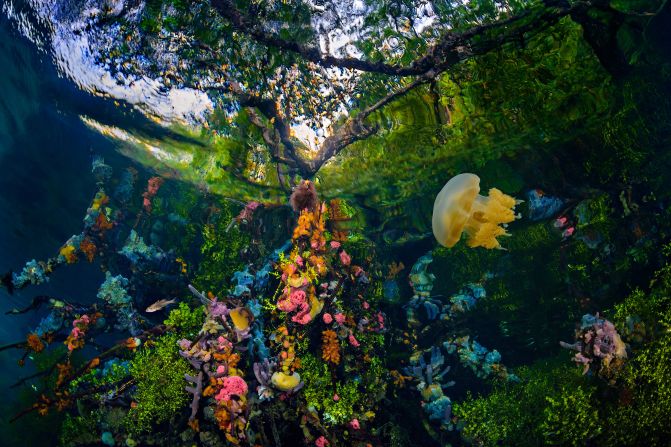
x,y
174,156
76,42
74,58
306,135
20,99
341,24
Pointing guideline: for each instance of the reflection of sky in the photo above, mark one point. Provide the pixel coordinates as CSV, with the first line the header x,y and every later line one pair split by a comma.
x,y
341,24
68,32
75,53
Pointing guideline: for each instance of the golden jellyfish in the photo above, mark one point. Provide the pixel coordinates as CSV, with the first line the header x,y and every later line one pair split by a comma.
x,y
459,208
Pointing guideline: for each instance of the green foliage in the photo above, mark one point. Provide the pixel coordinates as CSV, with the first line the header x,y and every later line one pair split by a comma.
x,y
227,165
159,375
643,415
115,372
158,14
220,252
556,405
79,430
87,427
652,307
623,150
524,286
464,264
374,378
466,14
184,321
507,102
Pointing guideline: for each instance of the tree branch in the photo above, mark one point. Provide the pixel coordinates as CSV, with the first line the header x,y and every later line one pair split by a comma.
x,y
356,128
282,129
452,48
227,9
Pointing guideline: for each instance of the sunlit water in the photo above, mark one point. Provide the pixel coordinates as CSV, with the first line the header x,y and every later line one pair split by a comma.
x,y
55,108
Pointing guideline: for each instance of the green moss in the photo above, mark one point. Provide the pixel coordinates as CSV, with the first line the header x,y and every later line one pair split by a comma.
x,y
651,307
630,133
79,430
556,405
361,249
150,25
159,376
375,378
595,214
320,388
537,236
464,265
643,417
115,372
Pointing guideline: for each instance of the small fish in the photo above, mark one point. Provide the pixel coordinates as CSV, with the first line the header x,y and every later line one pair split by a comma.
x,y
160,304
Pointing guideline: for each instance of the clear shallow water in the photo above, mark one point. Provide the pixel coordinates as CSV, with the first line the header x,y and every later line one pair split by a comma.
x,y
45,156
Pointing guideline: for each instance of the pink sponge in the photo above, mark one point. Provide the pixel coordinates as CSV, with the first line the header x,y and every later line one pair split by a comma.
x,y
233,385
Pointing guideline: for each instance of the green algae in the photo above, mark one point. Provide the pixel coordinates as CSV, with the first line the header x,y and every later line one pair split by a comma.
x,y
158,372
186,321
556,404
320,391
220,251
533,412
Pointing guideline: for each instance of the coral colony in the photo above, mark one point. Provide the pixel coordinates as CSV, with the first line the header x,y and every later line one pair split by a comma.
x,y
297,335
599,347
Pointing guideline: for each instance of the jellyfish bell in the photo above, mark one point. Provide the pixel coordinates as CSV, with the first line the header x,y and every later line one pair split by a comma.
x,y
452,208
459,208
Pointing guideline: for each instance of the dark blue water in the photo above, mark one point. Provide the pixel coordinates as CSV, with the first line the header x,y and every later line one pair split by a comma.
x,y
45,155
